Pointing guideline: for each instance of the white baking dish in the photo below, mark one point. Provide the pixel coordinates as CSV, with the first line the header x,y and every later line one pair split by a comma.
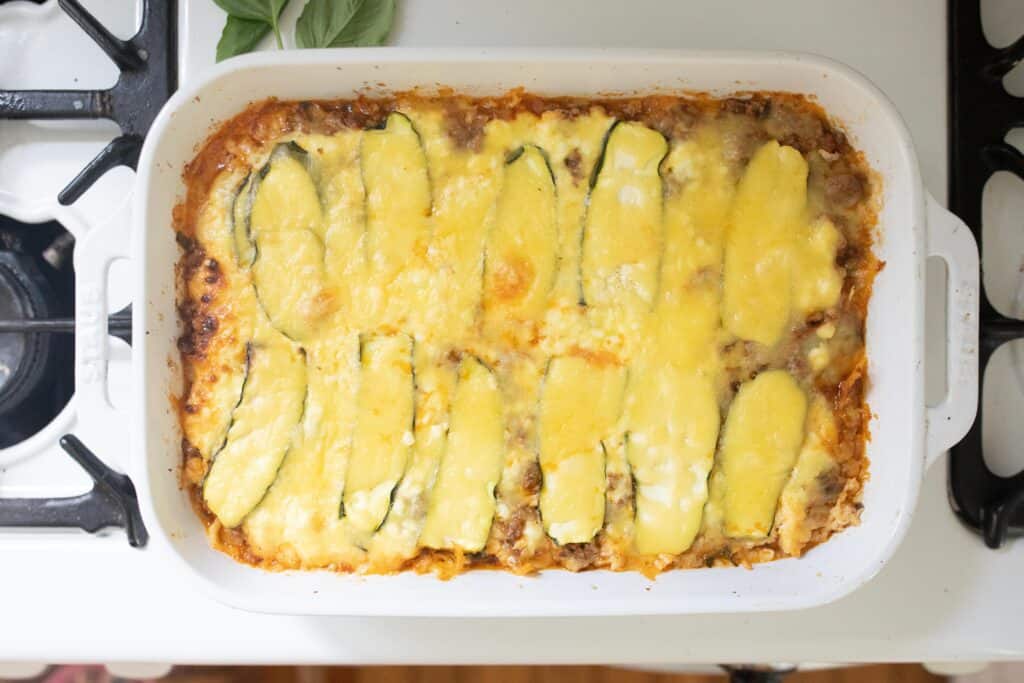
x,y
905,435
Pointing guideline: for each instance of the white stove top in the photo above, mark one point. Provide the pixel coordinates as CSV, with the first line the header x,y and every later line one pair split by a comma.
x,y
67,596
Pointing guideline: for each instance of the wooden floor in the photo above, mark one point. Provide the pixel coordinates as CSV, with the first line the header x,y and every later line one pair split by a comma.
x,y
904,673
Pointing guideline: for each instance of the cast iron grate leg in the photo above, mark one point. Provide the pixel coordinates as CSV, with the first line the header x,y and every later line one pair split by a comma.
x,y
981,114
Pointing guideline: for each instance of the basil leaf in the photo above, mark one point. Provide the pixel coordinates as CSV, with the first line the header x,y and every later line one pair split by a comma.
x,y
322,21
369,26
266,11
239,36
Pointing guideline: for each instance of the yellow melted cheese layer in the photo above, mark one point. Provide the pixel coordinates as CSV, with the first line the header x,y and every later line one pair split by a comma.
x,y
547,323
780,261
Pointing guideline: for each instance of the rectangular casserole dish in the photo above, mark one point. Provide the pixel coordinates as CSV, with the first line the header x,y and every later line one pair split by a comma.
x,y
911,227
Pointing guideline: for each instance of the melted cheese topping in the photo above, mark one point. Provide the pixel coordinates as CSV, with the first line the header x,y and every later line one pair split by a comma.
x,y
462,499
674,412
382,439
806,487
521,253
261,433
394,172
556,301
622,235
580,406
762,437
778,262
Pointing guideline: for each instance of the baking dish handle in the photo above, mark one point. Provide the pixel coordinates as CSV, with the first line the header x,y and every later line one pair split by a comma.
x,y
951,418
94,254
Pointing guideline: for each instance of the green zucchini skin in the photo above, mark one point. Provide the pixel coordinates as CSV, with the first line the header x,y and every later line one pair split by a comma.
x,y
595,172
240,215
285,255
268,413
241,205
294,443
462,504
246,365
601,243
381,449
599,163
514,155
243,196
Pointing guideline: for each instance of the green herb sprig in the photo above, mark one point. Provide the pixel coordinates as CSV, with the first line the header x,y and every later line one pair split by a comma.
x,y
248,21
323,23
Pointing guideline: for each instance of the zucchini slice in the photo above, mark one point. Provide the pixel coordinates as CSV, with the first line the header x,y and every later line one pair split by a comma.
x,y
760,444
673,414
288,276
618,530
807,489
622,232
239,217
779,264
224,398
383,437
462,503
398,201
522,247
336,160
262,429
285,223
398,538
580,405
298,517
673,423
768,214
218,375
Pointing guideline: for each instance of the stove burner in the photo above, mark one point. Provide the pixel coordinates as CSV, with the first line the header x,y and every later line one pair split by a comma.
x,y
23,294
148,64
36,278
37,288
36,370
981,114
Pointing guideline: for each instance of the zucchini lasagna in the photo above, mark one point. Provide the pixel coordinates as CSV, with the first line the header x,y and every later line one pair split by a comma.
x,y
438,333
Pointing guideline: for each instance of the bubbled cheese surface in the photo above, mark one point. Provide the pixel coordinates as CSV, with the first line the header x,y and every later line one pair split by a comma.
x,y
515,350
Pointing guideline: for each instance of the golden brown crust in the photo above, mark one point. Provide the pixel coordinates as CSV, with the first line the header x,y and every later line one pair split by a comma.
x,y
847,197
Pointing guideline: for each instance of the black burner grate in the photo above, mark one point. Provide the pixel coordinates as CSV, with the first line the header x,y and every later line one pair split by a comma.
x,y
148,66
981,115
111,502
